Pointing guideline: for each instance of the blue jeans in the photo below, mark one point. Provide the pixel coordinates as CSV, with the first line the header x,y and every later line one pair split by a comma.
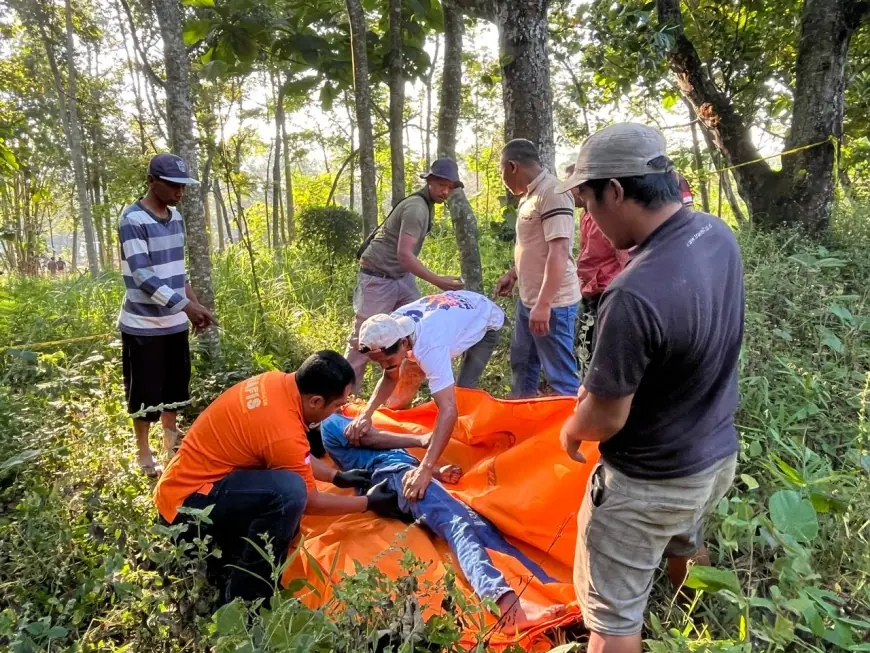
x,y
553,352
468,533
249,503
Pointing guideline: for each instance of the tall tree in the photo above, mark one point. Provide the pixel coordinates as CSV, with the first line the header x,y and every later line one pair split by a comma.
x,y
277,200
289,205
179,112
461,213
525,65
803,191
362,95
397,103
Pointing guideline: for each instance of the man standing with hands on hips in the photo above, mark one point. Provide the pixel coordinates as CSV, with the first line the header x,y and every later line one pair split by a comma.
x,y
546,312
157,307
388,263
661,390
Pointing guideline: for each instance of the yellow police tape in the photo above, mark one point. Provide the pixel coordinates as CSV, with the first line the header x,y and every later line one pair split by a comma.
x,y
830,139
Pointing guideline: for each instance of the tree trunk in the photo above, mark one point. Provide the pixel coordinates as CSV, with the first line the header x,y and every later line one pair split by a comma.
x,y
179,111
397,104
732,198
803,191
528,98
290,206
698,158
76,151
363,114
461,213
219,200
219,217
277,200
429,97
266,192
74,255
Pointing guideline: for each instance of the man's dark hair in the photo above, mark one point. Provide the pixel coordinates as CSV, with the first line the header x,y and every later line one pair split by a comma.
x,y
522,151
650,191
326,373
389,351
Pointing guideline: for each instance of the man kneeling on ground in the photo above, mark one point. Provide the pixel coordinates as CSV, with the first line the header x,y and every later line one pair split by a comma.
x,y
248,455
468,533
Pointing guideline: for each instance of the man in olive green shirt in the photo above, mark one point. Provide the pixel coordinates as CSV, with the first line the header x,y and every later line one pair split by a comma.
x,y
389,265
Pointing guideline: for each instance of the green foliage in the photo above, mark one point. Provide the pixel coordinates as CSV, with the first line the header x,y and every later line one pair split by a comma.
x,y
77,534
333,232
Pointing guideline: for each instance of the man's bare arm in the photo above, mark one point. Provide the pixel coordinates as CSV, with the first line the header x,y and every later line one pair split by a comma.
x,y
375,439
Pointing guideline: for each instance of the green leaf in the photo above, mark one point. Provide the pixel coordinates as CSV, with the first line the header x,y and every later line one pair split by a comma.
x,y
790,472
755,449
230,618
56,632
830,340
793,515
196,30
821,503
783,334
198,3
750,482
711,579
831,263
842,312
19,459
506,60
840,635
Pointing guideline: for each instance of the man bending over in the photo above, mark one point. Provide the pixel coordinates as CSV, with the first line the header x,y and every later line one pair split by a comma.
x,y
468,533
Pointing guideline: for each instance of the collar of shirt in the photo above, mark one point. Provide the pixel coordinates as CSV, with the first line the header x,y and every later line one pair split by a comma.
x,y
535,183
673,222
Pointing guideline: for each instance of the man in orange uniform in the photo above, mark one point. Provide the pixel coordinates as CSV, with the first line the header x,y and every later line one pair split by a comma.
x,y
248,456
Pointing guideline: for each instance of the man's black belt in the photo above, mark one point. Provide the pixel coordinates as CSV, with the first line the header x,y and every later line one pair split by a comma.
x,y
376,273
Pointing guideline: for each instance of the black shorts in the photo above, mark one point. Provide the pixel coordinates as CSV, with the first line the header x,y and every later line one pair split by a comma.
x,y
156,371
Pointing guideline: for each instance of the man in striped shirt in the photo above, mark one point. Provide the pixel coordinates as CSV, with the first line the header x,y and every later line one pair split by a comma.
x,y
157,307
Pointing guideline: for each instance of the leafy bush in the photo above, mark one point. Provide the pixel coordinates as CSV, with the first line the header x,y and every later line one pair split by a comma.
x,y
333,232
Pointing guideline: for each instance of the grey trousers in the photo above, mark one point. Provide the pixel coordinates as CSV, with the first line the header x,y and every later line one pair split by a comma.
x,y
373,296
474,360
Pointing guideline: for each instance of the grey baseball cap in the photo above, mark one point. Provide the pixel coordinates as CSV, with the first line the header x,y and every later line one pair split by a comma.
x,y
445,169
622,150
171,168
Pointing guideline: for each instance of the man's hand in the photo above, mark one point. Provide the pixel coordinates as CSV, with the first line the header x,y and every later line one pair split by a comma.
x,y
505,285
357,429
572,447
415,483
355,478
570,444
199,315
539,319
451,283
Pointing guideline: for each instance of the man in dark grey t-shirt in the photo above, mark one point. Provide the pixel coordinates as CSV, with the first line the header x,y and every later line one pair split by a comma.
x,y
661,390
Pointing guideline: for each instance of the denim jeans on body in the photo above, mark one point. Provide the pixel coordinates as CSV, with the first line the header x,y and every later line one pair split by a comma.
x,y
552,353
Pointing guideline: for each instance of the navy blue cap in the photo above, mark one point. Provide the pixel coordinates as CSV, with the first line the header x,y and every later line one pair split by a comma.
x,y
444,169
171,168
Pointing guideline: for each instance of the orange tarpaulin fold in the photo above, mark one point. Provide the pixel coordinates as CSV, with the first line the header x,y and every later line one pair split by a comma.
x,y
516,474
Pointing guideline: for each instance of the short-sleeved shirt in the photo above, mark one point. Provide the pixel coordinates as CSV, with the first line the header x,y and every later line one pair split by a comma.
x,y
669,331
598,261
410,217
446,325
542,216
256,424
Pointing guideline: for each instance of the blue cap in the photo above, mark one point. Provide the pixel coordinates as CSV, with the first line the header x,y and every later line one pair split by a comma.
x,y
444,169
171,168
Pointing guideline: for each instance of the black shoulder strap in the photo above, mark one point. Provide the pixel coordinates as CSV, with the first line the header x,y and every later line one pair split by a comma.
x,y
368,239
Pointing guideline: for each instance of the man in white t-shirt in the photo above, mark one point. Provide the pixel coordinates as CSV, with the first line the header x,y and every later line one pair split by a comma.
x,y
431,331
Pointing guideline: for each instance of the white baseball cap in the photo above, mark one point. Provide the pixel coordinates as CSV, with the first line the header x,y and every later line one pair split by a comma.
x,y
383,331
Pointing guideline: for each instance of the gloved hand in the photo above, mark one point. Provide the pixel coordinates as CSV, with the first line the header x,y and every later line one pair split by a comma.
x,y
384,501
357,478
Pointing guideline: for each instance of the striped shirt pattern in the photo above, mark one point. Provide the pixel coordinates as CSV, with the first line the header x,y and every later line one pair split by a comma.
x,y
152,262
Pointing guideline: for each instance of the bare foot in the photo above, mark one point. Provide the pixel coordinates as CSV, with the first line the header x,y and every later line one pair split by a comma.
x,y
150,467
450,474
518,614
